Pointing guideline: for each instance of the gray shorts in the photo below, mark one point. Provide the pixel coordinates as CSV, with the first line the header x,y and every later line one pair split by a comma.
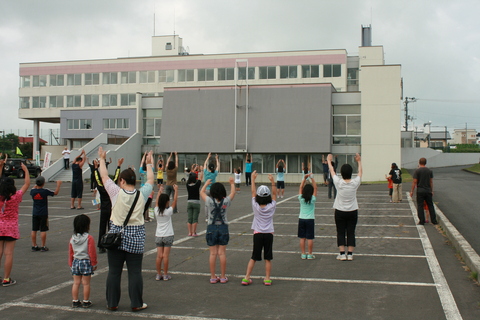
x,y
164,241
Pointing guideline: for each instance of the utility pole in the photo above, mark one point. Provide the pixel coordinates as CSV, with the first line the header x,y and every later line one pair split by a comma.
x,y
407,117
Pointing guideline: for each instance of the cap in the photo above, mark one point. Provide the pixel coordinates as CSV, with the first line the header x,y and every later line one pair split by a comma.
x,y
263,191
40,181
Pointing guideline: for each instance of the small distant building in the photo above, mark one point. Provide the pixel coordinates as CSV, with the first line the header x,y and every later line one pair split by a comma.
x,y
437,139
465,136
25,140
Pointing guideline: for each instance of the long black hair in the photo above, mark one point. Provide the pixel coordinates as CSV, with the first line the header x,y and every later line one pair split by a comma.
x,y
218,191
81,224
307,193
162,202
280,168
7,188
192,178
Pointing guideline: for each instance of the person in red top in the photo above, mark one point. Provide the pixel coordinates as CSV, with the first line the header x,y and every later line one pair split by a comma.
x,y
10,199
82,259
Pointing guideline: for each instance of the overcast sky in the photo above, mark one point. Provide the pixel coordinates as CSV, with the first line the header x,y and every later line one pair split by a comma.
x,y
437,42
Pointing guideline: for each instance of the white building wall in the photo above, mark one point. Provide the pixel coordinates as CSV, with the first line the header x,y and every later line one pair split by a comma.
x,y
381,98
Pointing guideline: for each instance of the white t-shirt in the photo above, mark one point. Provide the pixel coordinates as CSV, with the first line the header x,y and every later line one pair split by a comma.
x,y
346,199
238,177
164,222
66,154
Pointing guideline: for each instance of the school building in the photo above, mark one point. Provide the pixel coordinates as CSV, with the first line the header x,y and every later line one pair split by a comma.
x,y
291,105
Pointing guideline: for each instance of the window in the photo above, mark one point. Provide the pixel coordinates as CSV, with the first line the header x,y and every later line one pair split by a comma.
x,y
91,100
147,76
128,99
24,102
57,80
92,79
185,75
74,79
205,75
310,71
110,78
332,70
129,77
352,76
346,125
267,72
226,74
111,124
39,102
109,100
166,75
288,72
79,124
152,122
25,81
39,81
242,73
56,101
74,101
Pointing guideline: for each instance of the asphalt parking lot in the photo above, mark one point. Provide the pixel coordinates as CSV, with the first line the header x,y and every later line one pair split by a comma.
x,y
400,270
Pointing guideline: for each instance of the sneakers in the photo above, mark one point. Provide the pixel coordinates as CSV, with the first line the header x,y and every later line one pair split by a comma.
x,y
87,304
76,303
342,257
8,282
310,257
35,248
349,257
303,256
166,277
143,307
158,277
44,249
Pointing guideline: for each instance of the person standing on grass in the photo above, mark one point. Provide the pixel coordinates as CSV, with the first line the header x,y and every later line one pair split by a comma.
x,y
264,203
423,180
10,199
307,195
346,206
40,212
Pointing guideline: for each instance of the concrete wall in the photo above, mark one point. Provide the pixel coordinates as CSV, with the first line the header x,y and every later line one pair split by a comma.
x,y
381,104
435,159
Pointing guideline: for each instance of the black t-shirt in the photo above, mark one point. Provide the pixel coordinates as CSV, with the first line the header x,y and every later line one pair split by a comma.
x,y
396,175
40,201
76,172
194,191
423,176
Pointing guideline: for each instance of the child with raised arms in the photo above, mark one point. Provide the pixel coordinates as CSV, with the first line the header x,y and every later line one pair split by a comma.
x,y
307,195
264,204
82,258
164,233
217,235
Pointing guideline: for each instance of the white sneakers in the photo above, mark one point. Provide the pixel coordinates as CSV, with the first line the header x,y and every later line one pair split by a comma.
x,y
344,257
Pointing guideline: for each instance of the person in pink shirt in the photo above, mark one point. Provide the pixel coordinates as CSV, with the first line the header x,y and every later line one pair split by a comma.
x,y
10,199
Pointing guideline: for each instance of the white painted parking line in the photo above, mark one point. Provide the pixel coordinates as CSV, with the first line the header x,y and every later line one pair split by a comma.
x,y
446,297
333,224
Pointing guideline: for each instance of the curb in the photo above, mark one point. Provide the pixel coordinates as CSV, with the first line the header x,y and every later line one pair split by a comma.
x,y
468,254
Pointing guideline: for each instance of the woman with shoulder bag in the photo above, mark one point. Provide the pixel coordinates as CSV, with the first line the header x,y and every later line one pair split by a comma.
x,y
132,246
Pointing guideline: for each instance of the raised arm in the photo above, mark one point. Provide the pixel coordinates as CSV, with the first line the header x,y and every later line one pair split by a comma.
x,y
143,159
84,157
149,161
102,169
57,190
176,159
203,194
232,188
175,196
169,158
26,183
314,184
330,167
205,165
302,184
274,187
254,189
358,158
218,162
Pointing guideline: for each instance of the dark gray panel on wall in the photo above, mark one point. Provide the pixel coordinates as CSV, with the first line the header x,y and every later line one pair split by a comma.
x,y
281,119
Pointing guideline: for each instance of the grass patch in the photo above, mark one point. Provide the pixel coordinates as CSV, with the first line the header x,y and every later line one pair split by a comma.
x,y
475,168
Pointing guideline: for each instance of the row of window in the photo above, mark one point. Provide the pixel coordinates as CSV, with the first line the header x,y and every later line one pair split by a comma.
x,y
265,163
108,124
183,75
89,100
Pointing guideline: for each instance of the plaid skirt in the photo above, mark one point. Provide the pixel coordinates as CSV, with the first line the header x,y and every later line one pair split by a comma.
x,y
82,267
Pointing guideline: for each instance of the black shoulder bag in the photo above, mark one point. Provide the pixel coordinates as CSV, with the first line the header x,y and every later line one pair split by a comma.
x,y
112,241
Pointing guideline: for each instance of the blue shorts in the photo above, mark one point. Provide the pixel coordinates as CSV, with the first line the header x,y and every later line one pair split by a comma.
x,y
164,241
306,229
280,184
82,267
217,235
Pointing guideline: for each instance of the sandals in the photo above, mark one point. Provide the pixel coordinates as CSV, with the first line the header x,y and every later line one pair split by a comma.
x,y
214,280
267,282
246,282
224,280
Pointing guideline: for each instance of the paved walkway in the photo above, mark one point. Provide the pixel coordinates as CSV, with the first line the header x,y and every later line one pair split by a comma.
x,y
395,273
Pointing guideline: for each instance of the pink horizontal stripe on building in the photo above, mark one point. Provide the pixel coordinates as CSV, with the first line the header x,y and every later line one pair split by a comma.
x,y
307,85
183,62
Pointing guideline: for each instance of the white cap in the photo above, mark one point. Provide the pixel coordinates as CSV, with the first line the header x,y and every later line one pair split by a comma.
x,y
263,191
